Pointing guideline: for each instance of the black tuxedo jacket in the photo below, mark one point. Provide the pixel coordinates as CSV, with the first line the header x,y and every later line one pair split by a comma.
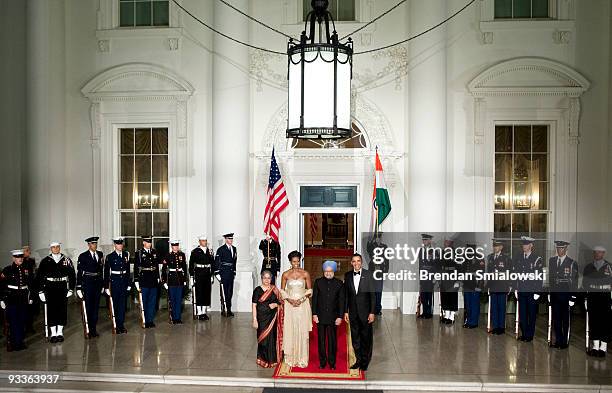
x,y
360,303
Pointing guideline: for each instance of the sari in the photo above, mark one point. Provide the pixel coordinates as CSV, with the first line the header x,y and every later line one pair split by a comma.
x,y
269,326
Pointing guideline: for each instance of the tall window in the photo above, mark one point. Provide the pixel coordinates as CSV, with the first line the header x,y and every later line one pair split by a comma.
x,y
341,10
141,13
143,199
521,182
522,9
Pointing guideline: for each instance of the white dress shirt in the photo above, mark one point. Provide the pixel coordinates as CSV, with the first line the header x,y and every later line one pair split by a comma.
x,y
356,279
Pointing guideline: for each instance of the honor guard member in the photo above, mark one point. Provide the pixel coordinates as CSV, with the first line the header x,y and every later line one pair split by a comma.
x,y
378,269
90,281
34,308
15,288
117,282
597,281
448,287
472,288
225,272
427,262
56,281
174,278
271,256
500,263
563,283
146,279
201,276
527,262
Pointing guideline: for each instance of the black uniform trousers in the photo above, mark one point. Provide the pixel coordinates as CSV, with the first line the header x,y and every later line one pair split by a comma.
x,y
327,333
16,316
92,291
559,302
57,306
598,306
227,286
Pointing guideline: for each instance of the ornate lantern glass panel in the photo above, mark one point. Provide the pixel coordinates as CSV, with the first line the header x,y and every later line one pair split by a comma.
x,y
319,80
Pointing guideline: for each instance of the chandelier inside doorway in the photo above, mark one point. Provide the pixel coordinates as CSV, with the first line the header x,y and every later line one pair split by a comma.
x,y
356,140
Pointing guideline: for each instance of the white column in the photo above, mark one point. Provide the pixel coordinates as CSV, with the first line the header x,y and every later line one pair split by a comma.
x,y
46,106
231,141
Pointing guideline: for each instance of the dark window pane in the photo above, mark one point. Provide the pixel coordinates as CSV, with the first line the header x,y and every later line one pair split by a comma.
x,y
160,141
522,166
522,9
539,167
521,196
127,168
143,195
503,167
126,14
522,139
501,224
160,13
503,9
143,168
161,224
539,196
346,10
503,139
160,168
539,223
520,223
161,245
143,13
128,224
130,246
539,9
127,196
540,139
503,196
160,196
143,141
127,141
144,223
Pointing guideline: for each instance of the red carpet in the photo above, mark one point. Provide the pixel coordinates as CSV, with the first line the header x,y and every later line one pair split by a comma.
x,y
344,358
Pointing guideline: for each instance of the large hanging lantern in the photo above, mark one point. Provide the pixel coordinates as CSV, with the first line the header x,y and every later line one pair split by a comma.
x,y
319,76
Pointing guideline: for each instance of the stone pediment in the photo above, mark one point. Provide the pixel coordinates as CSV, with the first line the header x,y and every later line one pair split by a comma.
x,y
137,81
528,76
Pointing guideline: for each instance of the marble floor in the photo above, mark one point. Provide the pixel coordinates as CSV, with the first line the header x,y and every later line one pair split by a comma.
x,y
409,354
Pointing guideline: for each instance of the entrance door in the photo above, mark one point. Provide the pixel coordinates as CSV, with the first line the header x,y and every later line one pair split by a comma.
x,y
328,236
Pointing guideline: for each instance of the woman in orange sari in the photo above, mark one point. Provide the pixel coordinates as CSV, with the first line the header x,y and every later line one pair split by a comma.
x,y
268,320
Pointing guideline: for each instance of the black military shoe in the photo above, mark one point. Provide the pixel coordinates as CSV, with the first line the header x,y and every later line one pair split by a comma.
x,y
53,340
152,324
205,317
179,321
601,353
223,314
60,339
230,314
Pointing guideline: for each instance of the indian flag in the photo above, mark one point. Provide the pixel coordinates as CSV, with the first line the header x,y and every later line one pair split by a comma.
x,y
381,203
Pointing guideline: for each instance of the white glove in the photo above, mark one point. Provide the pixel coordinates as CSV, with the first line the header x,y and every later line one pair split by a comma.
x,y
548,298
30,301
137,285
69,293
478,289
456,285
536,296
79,294
571,303
3,305
107,290
42,297
128,288
212,280
585,305
191,282
166,286
516,293
102,291
218,277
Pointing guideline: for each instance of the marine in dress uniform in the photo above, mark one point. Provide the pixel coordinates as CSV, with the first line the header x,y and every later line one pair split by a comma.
x,y
146,279
449,288
271,251
563,282
15,288
498,262
55,281
90,282
225,271
117,282
472,288
528,290
174,278
327,312
201,263
597,281
427,262
34,307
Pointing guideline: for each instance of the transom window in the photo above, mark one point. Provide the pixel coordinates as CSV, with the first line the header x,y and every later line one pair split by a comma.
x,y
341,10
142,13
144,198
522,9
521,182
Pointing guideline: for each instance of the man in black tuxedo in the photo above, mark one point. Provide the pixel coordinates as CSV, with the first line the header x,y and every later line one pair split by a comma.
x,y
360,305
327,312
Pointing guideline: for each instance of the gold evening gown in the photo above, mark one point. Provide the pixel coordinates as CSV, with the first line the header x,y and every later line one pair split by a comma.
x,y
297,324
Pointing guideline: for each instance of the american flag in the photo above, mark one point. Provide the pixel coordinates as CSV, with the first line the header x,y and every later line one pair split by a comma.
x,y
277,200
313,227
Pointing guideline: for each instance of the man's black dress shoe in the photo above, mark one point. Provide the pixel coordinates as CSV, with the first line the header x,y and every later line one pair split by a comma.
x,y
355,366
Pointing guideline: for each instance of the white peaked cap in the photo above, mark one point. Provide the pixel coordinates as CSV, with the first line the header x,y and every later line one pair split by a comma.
x,y
202,237
599,248
53,244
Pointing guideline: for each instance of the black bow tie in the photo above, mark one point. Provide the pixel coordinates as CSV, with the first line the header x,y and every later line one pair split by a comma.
x,y
357,273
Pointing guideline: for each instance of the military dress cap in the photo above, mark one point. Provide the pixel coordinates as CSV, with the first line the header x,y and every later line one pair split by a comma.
x,y
118,240
175,242
561,243
202,237
17,253
147,239
229,235
426,236
497,242
331,264
527,240
54,244
92,239
599,248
